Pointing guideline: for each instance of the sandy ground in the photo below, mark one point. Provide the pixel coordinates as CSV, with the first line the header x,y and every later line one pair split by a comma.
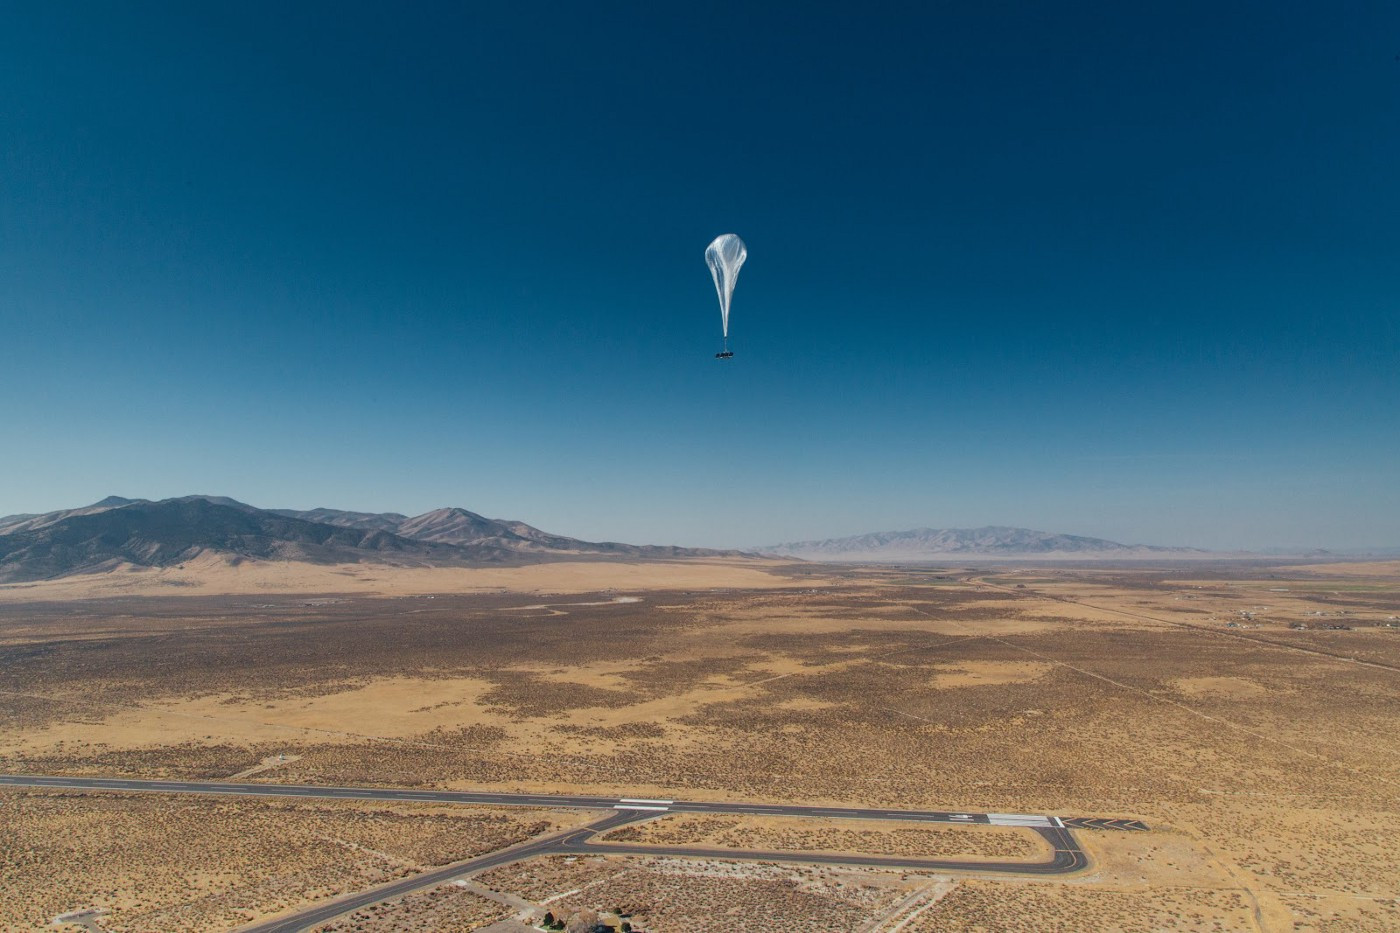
x,y
1221,687
211,575
991,673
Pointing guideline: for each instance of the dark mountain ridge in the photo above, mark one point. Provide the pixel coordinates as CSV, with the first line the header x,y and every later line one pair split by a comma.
x,y
383,521
120,532
463,527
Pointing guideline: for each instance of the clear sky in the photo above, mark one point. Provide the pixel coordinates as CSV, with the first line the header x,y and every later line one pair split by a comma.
x,y
1119,269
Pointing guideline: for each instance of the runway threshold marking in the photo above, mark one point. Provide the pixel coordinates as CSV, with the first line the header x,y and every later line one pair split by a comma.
x,y
1091,822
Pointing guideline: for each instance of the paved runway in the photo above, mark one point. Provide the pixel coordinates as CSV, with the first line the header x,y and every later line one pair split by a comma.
x,y
644,805
1066,855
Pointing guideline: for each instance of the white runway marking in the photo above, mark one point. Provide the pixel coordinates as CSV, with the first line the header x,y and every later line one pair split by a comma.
x,y
1019,819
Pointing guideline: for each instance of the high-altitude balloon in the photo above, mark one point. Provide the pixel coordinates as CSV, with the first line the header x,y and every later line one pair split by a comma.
x,y
725,257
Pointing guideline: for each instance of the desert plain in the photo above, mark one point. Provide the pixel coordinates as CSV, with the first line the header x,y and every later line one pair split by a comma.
x,y
1244,711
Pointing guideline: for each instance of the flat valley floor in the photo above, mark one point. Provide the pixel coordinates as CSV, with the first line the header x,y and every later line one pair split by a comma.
x,y
1245,712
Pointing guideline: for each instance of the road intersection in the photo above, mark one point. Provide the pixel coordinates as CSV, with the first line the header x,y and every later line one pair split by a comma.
x,y
1066,855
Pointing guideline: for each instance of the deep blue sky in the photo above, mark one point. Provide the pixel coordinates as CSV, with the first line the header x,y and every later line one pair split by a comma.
x,y
1121,269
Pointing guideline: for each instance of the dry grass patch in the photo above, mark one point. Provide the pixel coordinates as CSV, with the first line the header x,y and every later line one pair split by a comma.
x,y
394,707
990,673
214,575
1225,687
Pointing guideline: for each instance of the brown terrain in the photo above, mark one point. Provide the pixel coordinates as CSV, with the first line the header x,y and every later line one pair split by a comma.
x,y
1245,711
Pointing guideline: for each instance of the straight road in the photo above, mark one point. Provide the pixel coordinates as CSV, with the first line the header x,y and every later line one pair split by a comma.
x,y
644,805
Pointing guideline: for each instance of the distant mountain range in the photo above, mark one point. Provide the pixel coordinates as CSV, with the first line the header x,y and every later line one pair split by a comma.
x,y
118,532
991,541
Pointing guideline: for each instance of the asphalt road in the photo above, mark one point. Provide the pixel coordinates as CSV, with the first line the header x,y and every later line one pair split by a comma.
x,y
541,845
1066,854
1068,857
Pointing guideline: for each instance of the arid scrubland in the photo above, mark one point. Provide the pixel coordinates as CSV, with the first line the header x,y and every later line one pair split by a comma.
x,y
208,863
975,906
1219,703
673,895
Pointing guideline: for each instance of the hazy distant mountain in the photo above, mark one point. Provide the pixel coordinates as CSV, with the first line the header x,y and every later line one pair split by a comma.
x,y
120,532
991,541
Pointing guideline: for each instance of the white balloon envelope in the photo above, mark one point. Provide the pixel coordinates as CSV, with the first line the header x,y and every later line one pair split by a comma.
x,y
725,257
